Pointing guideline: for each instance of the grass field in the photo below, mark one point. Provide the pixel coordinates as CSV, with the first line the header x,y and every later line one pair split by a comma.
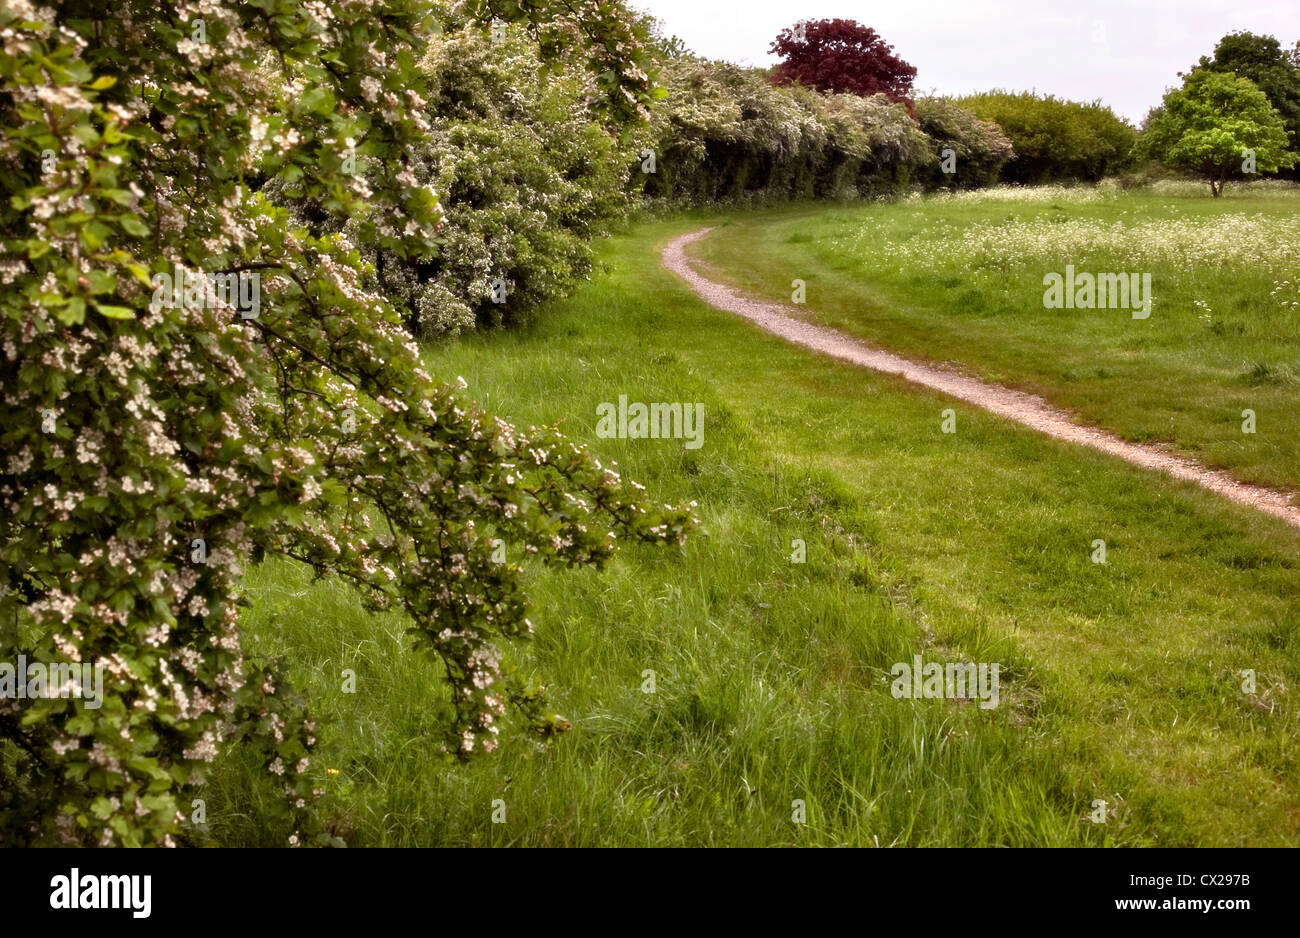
x,y
960,279
1120,681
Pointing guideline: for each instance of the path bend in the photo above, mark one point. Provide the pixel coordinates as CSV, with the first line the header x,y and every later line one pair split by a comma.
x,y
1026,409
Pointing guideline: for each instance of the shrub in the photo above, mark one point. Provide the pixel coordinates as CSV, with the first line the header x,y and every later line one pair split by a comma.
x,y
980,147
526,177
1055,140
151,449
723,132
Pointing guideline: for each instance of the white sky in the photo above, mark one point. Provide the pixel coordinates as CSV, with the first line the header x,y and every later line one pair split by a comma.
x,y
1125,52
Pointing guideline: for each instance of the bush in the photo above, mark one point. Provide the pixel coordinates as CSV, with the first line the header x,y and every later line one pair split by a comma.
x,y
980,147
1055,140
152,448
526,178
724,133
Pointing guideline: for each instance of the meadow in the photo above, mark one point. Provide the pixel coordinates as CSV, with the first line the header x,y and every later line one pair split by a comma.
x,y
959,278
725,694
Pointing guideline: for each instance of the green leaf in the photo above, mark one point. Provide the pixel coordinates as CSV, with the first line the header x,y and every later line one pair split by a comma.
x,y
133,226
74,313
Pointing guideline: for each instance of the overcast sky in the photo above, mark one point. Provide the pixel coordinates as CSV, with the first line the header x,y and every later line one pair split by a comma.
x,y
1125,53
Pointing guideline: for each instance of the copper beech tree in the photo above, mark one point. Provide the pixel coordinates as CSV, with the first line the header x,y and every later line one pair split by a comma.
x,y
841,56
154,439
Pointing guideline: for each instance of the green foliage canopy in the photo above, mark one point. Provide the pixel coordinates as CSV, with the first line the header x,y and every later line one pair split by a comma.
x,y
1216,125
1055,140
1275,71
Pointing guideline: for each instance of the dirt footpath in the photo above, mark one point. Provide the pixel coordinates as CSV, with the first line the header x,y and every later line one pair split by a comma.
x,y
1023,408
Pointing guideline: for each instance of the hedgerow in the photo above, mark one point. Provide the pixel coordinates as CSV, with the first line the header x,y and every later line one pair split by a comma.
x,y
724,132
527,176
978,148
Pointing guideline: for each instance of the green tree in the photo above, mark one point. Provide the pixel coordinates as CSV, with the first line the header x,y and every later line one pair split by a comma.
x,y
1274,70
1219,126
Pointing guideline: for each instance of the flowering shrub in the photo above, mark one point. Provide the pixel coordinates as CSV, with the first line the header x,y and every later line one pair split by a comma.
x,y
154,441
723,132
980,148
526,178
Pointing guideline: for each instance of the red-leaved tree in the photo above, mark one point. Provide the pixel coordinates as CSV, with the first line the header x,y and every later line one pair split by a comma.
x,y
841,56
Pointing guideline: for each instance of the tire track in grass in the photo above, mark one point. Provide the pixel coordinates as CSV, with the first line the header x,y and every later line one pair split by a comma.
x,y
1026,409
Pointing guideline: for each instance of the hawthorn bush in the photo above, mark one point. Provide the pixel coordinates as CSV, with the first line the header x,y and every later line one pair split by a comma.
x,y
526,176
151,449
980,147
723,132
1055,140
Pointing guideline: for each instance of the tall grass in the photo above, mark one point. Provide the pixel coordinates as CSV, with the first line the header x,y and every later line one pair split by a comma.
x,y
771,681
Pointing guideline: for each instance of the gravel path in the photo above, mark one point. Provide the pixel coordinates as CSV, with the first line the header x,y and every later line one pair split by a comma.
x,y
1016,405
